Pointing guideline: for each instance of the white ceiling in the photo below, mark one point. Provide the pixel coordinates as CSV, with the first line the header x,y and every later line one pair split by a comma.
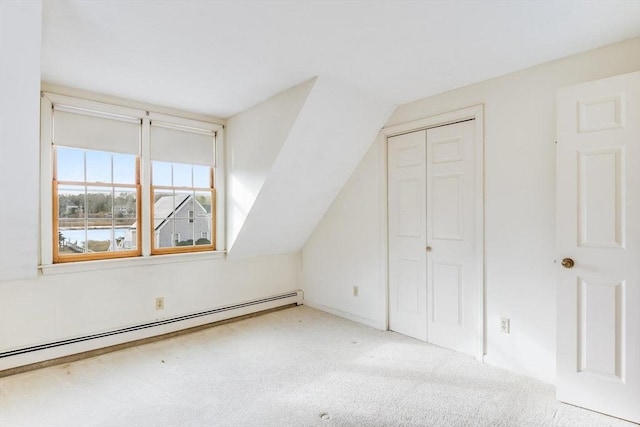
x,y
221,57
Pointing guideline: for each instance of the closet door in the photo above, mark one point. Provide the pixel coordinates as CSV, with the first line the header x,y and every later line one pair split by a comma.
x,y
434,289
452,288
407,234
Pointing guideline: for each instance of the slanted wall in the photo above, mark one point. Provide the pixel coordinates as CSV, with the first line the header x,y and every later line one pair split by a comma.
x,y
254,139
333,130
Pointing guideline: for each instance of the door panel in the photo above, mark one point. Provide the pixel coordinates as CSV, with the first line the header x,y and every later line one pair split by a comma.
x,y
407,234
408,288
451,276
447,293
600,197
409,219
598,227
446,207
599,328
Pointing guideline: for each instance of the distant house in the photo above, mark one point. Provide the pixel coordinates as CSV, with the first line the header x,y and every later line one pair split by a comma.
x,y
178,221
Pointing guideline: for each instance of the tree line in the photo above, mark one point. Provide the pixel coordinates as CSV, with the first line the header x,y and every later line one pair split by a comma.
x,y
97,205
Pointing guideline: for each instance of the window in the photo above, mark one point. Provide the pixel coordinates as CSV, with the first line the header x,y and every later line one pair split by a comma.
x,y
95,184
120,182
96,207
182,186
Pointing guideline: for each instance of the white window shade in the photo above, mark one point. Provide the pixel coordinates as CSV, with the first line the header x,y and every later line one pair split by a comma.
x,y
182,145
92,131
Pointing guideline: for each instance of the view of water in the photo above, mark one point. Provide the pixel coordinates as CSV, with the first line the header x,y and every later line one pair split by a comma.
x,y
94,234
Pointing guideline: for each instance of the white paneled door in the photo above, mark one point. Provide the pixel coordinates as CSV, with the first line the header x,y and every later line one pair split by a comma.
x,y
407,235
451,279
598,244
433,289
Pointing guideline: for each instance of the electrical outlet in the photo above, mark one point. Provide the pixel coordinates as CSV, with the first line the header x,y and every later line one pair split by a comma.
x,y
160,303
505,326
355,291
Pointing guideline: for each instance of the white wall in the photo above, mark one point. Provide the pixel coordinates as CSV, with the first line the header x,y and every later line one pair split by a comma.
x,y
519,211
327,141
36,308
60,306
20,27
347,247
254,139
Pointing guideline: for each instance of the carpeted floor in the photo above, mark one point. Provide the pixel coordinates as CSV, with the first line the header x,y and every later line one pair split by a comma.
x,y
295,367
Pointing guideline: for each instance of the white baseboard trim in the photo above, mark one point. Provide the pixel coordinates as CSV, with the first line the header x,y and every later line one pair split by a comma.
x,y
340,313
549,379
53,350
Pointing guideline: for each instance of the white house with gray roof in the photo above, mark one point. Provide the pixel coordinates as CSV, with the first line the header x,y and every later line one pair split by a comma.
x,y
179,220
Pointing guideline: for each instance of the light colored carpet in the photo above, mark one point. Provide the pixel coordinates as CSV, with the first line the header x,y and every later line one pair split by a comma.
x,y
295,367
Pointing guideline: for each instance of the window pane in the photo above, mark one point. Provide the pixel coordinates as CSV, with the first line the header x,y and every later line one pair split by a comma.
x,y
125,233
201,176
202,231
183,204
203,204
71,236
124,168
123,237
158,194
125,204
164,204
71,202
182,175
70,164
163,212
99,207
161,173
164,234
184,232
98,166
100,239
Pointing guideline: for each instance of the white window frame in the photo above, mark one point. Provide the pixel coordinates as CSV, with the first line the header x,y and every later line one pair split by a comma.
x,y
46,265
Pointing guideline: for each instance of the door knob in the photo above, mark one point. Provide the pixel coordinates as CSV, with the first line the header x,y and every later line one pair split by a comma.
x,y
428,249
567,263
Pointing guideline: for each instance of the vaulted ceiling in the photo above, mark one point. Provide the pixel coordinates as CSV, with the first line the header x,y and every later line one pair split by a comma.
x,y
221,57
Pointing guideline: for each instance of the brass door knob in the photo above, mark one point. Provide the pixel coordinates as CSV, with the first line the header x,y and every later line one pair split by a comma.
x,y
428,248
567,263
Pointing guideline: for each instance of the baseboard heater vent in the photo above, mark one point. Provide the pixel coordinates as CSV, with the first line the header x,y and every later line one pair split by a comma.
x,y
146,325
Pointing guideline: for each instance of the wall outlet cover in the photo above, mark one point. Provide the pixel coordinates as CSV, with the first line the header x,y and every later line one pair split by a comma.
x,y
505,326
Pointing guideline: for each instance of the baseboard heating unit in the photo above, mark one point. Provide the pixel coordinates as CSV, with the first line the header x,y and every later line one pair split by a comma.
x,y
55,349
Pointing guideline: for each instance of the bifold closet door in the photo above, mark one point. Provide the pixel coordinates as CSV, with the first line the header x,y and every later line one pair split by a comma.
x,y
432,279
453,303
407,234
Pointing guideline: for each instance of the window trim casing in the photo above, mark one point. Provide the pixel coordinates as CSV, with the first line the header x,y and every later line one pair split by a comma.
x,y
46,241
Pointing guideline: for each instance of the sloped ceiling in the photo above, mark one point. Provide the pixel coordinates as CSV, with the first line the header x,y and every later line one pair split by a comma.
x,y
221,57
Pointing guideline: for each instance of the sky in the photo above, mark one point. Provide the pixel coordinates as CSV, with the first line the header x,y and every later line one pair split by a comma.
x,y
104,167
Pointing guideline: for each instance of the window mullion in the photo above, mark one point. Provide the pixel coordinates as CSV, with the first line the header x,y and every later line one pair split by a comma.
x,y
85,213
145,221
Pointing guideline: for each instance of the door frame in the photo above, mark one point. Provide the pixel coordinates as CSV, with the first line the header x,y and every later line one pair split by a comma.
x,y
475,112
